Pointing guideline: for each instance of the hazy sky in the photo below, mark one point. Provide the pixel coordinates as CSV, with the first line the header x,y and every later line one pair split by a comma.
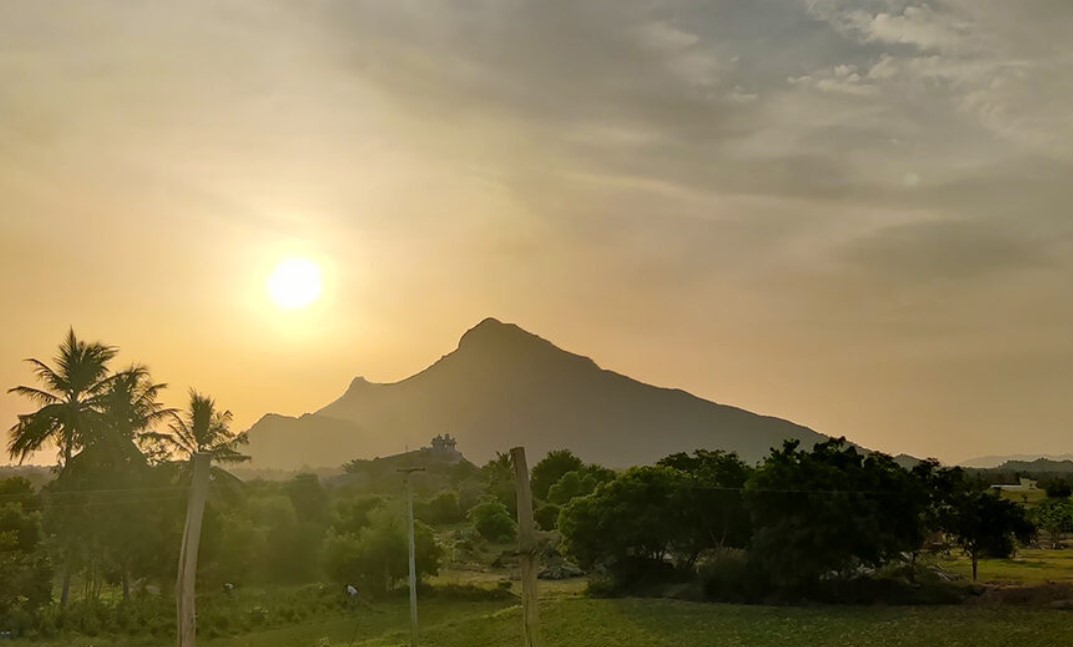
x,y
852,214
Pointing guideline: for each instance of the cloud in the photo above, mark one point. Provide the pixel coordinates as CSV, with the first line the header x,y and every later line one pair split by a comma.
x,y
810,162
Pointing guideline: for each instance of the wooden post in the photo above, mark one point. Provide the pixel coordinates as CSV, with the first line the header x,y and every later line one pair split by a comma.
x,y
187,578
413,560
528,548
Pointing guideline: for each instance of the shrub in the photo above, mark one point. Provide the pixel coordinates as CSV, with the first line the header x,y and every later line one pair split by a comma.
x,y
445,509
492,520
727,576
547,516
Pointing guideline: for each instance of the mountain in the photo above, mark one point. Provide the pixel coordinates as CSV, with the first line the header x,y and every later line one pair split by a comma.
x,y
311,441
504,387
1038,466
988,462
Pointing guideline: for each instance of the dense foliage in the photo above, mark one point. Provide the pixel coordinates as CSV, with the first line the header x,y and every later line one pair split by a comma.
x,y
799,521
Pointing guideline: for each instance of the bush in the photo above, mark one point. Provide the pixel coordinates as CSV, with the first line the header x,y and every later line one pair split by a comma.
x,y
727,576
492,520
547,516
445,509
376,559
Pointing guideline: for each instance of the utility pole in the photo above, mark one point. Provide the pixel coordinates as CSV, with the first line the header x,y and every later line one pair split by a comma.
x,y
528,547
187,578
413,561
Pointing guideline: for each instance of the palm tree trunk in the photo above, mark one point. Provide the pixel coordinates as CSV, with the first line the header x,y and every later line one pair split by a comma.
x,y
65,591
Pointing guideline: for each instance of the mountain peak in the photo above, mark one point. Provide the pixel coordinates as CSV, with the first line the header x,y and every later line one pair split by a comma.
x,y
493,332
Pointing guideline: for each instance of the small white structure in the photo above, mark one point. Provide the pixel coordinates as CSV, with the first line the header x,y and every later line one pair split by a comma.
x,y
1022,486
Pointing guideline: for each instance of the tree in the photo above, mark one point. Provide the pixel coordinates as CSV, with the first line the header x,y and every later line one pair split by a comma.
x,y
351,515
1054,516
202,428
627,525
983,523
493,521
570,486
498,476
444,508
131,406
70,401
25,573
546,516
376,558
101,514
550,469
825,512
1058,488
712,502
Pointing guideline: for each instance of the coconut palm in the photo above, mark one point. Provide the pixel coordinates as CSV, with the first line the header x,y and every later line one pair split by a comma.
x,y
71,399
202,428
131,406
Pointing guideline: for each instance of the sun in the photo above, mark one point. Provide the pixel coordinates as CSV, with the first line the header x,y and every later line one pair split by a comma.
x,y
295,283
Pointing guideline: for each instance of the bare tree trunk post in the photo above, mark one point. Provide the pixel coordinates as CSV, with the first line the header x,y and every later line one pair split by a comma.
x,y
528,548
65,590
413,562
187,578
413,552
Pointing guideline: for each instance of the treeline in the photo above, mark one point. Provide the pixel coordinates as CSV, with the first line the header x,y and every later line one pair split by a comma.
x,y
797,525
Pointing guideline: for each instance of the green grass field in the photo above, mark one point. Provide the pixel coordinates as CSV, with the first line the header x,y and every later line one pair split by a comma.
x,y
572,620
1030,566
579,622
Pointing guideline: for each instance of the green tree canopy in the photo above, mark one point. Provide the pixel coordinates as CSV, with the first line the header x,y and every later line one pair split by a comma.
x,y
493,521
985,524
550,469
827,511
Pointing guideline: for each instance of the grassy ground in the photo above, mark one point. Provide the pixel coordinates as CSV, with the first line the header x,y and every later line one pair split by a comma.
x,y
579,622
1029,567
572,620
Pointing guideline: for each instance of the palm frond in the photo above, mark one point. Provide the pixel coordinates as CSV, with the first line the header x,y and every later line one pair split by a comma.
x,y
33,431
48,376
36,395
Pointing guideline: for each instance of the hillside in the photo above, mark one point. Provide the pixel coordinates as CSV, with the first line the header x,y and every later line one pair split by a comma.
x,y
1038,466
310,441
995,462
504,387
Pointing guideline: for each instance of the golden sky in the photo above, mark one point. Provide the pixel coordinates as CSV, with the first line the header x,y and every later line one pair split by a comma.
x,y
851,214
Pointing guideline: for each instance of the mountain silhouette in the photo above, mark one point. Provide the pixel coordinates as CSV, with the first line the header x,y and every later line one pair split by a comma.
x,y
505,387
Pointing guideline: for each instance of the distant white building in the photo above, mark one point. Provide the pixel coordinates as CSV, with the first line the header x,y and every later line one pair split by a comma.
x,y
1025,484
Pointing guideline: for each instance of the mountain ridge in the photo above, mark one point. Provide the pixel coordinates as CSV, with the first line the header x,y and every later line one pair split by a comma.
x,y
505,386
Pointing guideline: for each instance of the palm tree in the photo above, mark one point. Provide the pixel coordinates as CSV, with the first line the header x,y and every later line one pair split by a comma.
x,y
71,399
202,428
131,406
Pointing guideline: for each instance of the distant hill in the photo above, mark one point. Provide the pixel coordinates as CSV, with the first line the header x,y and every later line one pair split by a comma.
x,y
38,475
306,443
988,462
504,387
1038,466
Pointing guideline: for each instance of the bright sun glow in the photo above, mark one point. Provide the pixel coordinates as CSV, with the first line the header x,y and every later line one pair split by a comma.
x,y
295,283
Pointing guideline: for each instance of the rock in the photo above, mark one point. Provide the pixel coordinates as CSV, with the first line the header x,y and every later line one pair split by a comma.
x,y
562,571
